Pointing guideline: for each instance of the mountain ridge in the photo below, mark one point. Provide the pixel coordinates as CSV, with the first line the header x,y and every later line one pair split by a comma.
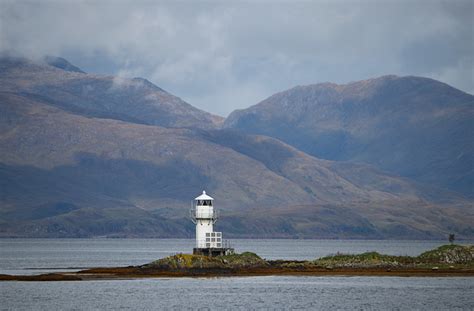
x,y
61,63
135,100
68,173
416,127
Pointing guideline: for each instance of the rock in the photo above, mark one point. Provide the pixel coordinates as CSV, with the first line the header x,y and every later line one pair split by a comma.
x,y
449,254
187,261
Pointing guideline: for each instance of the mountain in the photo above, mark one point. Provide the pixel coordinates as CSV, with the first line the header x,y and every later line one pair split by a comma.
x,y
61,63
58,83
415,127
68,171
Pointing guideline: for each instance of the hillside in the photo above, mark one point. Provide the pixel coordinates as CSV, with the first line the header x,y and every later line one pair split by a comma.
x,y
410,126
68,173
58,83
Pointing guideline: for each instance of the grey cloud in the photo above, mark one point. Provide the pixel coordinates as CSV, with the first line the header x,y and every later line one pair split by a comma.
x,y
220,56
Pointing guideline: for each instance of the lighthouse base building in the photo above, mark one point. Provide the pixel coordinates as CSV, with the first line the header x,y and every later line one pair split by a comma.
x,y
208,242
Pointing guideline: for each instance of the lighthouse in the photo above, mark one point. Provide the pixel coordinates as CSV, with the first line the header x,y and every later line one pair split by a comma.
x,y
204,215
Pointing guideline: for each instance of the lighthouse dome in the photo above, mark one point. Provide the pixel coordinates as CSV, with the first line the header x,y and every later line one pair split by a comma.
x,y
204,196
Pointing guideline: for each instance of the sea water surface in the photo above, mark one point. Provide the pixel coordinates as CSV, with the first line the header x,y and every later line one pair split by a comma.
x,y
32,256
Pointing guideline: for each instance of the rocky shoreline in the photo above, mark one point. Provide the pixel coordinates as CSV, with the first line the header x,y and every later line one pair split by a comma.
x,y
447,260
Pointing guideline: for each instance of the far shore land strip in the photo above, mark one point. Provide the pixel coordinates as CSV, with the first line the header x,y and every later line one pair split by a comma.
x,y
213,257
445,261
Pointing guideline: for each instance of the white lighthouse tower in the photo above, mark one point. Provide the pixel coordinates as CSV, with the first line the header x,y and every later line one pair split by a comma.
x,y
204,215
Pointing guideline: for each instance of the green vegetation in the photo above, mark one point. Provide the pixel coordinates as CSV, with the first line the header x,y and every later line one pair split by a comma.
x,y
184,261
187,261
369,259
443,256
447,256
246,259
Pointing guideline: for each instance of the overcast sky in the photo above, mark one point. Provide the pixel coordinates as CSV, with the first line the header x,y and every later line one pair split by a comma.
x,y
225,55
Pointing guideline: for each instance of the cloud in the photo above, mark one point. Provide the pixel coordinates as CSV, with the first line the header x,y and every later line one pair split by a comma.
x,y
220,56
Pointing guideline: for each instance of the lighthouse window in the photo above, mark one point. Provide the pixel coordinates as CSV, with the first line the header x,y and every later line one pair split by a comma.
x,y
213,239
218,233
213,234
208,234
208,244
219,245
208,239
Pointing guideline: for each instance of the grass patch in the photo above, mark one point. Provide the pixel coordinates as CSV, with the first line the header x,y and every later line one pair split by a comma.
x,y
446,256
188,261
443,256
368,259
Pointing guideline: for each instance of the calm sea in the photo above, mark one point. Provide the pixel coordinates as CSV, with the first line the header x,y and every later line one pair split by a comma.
x,y
32,256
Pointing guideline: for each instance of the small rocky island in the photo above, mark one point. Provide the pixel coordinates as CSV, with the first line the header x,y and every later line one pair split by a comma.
x,y
447,260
